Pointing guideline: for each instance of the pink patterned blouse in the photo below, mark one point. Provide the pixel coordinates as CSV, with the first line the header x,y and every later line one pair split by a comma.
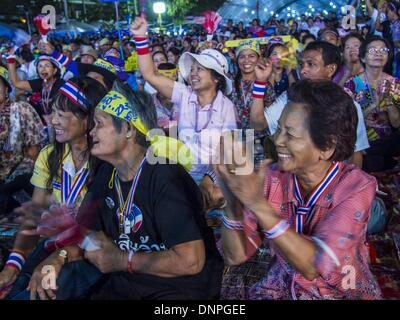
x,y
337,225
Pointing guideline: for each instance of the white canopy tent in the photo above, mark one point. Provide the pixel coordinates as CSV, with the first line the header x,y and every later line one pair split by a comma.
x,y
246,10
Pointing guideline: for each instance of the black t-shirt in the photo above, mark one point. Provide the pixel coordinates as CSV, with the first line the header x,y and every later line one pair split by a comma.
x,y
170,203
37,86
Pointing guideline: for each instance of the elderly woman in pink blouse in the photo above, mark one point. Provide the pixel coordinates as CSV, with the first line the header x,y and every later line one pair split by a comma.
x,y
313,207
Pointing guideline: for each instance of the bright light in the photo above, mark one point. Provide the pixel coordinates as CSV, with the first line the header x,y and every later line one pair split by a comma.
x,y
265,9
253,12
310,6
312,10
331,4
245,9
325,12
271,12
288,8
159,7
334,7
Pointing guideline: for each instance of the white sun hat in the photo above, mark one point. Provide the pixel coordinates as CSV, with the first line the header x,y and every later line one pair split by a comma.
x,y
210,59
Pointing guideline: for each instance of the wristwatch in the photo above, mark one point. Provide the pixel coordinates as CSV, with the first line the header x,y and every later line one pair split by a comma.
x,y
64,254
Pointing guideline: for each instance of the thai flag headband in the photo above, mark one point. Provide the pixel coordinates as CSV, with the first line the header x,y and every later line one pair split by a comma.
x,y
72,92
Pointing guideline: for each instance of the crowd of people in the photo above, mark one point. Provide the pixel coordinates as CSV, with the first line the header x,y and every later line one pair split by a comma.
x,y
82,121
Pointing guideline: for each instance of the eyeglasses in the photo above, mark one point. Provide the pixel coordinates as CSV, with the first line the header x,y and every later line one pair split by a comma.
x,y
381,50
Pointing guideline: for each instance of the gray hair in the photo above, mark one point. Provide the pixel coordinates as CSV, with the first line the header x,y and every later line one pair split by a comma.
x,y
142,104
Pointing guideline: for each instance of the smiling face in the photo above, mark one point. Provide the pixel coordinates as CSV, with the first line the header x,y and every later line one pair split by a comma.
x,y
247,61
107,141
376,59
294,146
46,70
200,78
351,50
68,127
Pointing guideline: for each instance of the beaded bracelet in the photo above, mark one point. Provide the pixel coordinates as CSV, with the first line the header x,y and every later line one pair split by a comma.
x,y
279,229
142,45
259,88
232,224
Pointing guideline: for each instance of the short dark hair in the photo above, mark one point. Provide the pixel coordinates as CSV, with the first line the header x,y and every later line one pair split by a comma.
x,y
175,51
368,41
330,53
350,36
332,115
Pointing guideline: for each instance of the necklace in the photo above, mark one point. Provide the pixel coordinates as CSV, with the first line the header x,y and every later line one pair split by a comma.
x,y
209,115
246,93
129,215
46,91
371,91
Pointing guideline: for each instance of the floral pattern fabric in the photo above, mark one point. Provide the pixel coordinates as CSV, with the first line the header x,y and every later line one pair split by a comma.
x,y
375,112
20,127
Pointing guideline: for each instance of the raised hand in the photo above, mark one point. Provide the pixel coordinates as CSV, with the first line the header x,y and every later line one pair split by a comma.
x,y
138,27
263,69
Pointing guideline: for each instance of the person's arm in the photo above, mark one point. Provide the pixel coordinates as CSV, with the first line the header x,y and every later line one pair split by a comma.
x,y
162,84
356,159
180,260
378,24
56,261
298,250
17,83
320,254
370,8
257,119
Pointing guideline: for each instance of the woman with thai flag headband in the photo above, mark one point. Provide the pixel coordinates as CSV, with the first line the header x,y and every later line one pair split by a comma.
x,y
61,174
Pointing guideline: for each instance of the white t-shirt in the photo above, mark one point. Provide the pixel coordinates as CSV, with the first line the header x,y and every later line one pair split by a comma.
x,y
274,111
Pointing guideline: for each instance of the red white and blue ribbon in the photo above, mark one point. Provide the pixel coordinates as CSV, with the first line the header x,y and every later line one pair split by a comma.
x,y
62,59
72,92
128,208
259,89
142,45
305,207
68,194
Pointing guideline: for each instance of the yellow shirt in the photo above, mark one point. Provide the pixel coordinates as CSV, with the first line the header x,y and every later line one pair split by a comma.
x,y
41,173
131,64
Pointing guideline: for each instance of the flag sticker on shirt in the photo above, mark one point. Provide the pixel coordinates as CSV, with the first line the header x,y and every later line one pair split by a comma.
x,y
137,218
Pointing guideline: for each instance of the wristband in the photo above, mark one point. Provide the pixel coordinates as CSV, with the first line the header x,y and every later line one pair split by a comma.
x,y
16,260
279,229
231,224
142,45
259,89
10,59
